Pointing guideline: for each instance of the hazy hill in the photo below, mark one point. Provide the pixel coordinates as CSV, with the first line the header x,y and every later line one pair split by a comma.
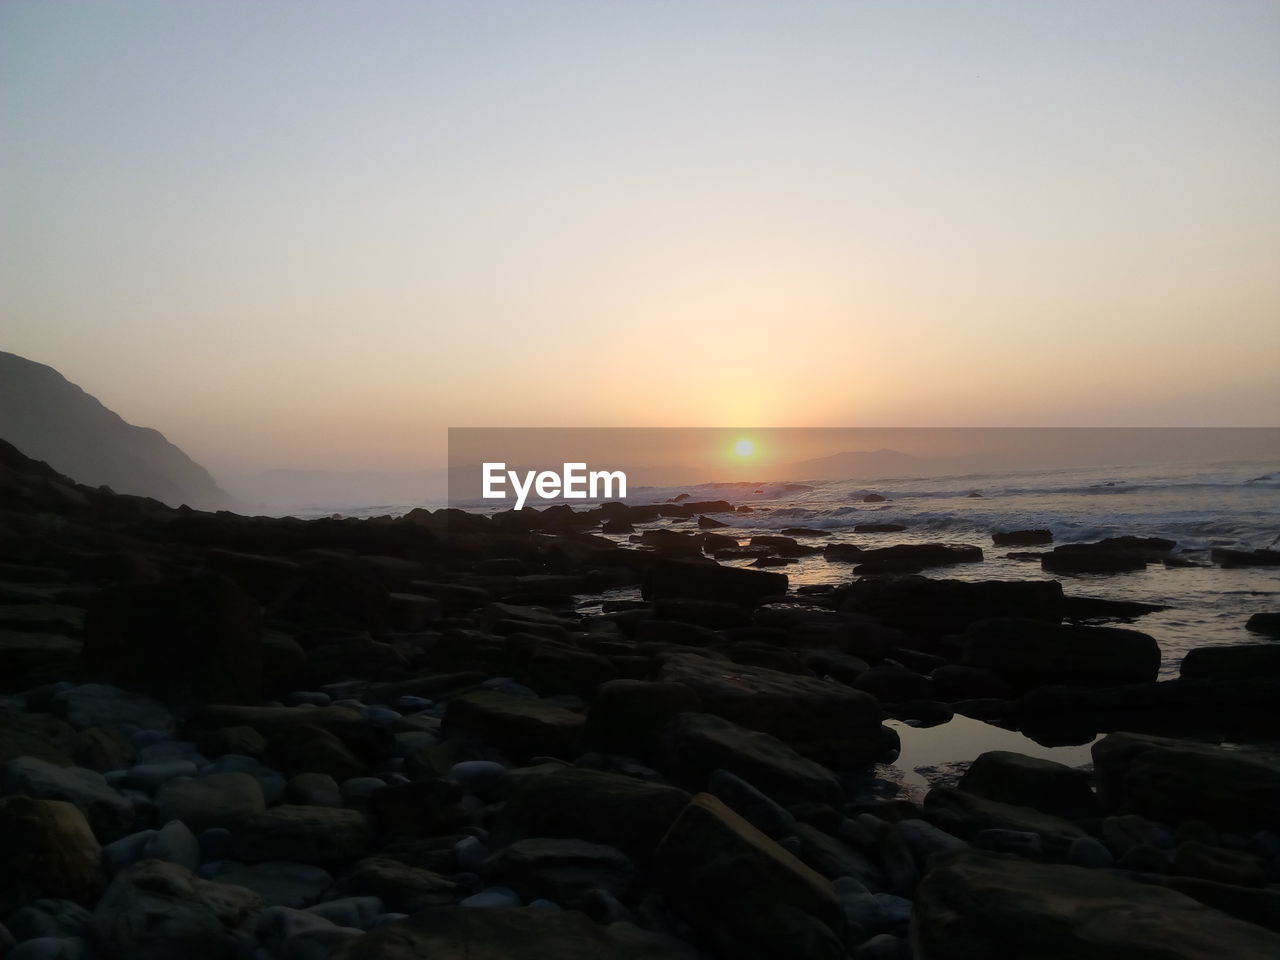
x,y
49,418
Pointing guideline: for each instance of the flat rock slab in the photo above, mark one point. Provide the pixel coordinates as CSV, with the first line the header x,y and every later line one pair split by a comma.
x,y
515,933
964,815
557,801
521,727
822,719
983,905
1175,780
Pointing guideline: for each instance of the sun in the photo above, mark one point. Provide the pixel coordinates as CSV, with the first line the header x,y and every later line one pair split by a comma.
x,y
744,448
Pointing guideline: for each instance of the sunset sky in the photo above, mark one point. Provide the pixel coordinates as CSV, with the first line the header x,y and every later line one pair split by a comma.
x,y
315,234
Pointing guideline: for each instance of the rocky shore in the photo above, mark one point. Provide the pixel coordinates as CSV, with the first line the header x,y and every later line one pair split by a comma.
x,y
229,737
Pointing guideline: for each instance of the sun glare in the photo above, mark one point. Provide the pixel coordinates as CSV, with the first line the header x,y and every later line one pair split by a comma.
x,y
744,448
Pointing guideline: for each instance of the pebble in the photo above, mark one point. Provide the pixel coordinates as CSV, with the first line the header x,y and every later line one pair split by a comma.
x,y
470,852
149,776
1091,853
125,851
357,790
492,897
379,716
480,777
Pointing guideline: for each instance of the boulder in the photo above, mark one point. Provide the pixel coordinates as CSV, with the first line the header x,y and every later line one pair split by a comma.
x,y
1032,652
1175,780
109,814
1264,623
157,911
744,894
1237,662
710,581
964,815
402,887
308,749
824,720
102,705
193,640
33,659
520,727
923,554
317,835
510,933
46,850
1021,538
629,716
36,735
1047,786
930,609
697,744
984,905
216,800
557,801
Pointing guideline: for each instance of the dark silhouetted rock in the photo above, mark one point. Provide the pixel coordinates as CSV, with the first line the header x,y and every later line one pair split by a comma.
x,y
1021,538
629,716
1032,652
1246,660
1051,787
1266,623
932,608
521,727
710,581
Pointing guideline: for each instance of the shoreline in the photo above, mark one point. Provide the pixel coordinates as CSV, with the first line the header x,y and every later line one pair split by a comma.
x,y
344,732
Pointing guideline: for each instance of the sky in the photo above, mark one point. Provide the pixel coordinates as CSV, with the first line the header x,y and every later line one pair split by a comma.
x,y
315,235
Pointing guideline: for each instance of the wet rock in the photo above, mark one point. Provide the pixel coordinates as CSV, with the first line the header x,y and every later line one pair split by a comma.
x,y
1031,652
556,801
1245,558
697,744
823,720
930,609
520,727
923,554
1265,623
46,850
979,905
1174,780
316,835
1051,787
744,894
109,814
1243,661
710,581
216,800
1021,538
156,911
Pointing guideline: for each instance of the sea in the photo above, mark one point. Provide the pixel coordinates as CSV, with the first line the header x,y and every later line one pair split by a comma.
x,y
1200,506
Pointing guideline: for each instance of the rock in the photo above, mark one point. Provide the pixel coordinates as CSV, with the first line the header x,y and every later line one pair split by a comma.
x,y
762,812
52,948
745,895
710,581
1088,852
306,834
308,749
556,801
1032,652
36,735
1021,538
109,814
46,850
313,790
102,705
483,778
923,554
216,800
279,882
1251,904
493,897
102,749
1243,661
194,640
1194,859
156,911
629,716
401,887
930,609
873,498
823,720
1021,843
1122,833
697,744
1047,786
427,808
359,912
175,843
956,682
894,684
1075,558
1174,780
834,859
1245,558
924,840
965,815
884,946
563,870
33,659
520,727
448,933
710,523
982,905
879,527
51,917
1265,623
